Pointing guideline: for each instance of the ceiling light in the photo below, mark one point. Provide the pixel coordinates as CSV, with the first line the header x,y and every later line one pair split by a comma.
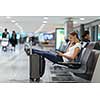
x,y
8,17
16,23
75,22
13,21
44,22
82,18
45,18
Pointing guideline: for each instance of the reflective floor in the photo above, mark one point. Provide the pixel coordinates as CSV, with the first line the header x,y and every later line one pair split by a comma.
x,y
14,66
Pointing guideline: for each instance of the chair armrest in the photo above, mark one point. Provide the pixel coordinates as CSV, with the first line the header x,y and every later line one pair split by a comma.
x,y
73,65
70,63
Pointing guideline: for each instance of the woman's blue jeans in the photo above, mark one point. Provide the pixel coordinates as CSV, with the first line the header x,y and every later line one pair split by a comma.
x,y
49,55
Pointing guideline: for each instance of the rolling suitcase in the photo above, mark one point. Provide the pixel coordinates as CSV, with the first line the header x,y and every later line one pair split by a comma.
x,y
37,67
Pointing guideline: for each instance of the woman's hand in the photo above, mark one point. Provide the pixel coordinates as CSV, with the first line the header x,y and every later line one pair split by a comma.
x,y
59,53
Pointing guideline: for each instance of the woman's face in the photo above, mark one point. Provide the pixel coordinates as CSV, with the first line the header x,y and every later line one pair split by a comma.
x,y
71,38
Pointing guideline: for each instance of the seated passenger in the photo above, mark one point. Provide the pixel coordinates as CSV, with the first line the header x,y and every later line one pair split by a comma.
x,y
71,53
85,39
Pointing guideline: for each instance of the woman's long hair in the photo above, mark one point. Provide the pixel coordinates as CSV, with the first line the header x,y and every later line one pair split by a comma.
x,y
74,33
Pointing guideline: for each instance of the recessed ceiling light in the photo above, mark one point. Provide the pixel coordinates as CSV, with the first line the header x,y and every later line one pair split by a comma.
x,y
16,23
75,22
13,21
45,18
44,22
82,18
8,17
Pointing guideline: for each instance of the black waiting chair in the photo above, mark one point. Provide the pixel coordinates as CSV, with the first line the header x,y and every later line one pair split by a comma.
x,y
88,62
91,64
79,68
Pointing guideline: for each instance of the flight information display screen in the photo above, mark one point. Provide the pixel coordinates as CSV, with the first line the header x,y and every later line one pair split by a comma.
x,y
60,38
98,36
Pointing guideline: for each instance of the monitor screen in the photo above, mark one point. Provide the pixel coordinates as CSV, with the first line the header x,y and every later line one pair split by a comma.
x,y
48,36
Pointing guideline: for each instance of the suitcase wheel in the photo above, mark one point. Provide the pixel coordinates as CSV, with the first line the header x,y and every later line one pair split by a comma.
x,y
32,79
37,79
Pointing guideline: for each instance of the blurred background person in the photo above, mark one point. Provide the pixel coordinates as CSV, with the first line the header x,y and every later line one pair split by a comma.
x,y
5,40
86,36
85,39
13,39
5,34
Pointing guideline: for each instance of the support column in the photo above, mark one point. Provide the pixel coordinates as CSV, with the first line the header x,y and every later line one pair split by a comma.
x,y
81,30
96,33
68,26
90,33
93,33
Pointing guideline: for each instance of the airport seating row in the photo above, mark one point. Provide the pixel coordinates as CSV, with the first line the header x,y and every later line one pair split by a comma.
x,y
83,69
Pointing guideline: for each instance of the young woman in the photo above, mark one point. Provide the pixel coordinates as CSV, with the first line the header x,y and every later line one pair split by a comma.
x,y
70,54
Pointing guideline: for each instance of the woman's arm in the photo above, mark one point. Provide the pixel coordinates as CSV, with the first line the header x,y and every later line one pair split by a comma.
x,y
72,57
